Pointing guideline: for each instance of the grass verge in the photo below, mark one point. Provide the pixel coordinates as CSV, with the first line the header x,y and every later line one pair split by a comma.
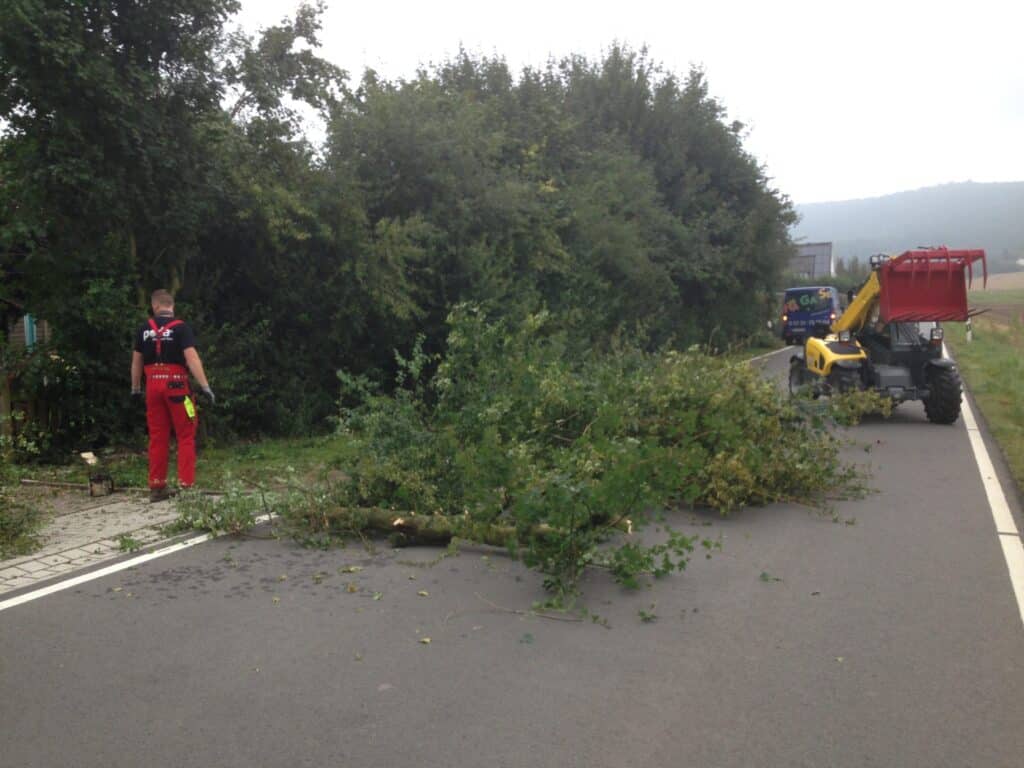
x,y
994,298
993,367
267,463
19,523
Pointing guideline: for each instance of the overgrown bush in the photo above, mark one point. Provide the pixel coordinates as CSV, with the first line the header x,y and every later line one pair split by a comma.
x,y
557,452
233,512
48,389
849,408
19,525
611,189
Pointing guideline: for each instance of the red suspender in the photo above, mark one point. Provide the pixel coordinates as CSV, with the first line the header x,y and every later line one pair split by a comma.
x,y
157,330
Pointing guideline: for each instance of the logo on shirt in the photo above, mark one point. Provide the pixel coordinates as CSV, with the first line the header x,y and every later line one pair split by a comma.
x,y
150,335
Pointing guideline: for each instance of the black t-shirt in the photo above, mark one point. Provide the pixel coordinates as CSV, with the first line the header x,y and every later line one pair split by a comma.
x,y
173,343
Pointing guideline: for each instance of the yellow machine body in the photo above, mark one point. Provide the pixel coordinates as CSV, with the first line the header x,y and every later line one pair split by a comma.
x,y
856,315
822,354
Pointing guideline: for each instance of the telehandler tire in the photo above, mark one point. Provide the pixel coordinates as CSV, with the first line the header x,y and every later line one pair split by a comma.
x,y
845,381
946,393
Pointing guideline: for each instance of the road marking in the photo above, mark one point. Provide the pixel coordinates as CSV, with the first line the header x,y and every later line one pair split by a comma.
x,y
767,354
99,573
1006,528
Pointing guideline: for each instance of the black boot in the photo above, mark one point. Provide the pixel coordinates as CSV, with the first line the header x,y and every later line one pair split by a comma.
x,y
159,494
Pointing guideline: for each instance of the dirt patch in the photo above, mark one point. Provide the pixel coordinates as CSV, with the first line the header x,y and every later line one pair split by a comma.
x,y
1004,314
1003,300
1006,281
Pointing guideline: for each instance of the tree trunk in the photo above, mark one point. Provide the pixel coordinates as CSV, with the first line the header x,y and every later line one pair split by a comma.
x,y
408,527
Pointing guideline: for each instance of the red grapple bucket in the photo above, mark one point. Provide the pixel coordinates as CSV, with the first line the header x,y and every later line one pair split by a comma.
x,y
927,285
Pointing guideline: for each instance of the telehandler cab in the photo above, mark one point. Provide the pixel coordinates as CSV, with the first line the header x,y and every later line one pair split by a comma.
x,y
877,343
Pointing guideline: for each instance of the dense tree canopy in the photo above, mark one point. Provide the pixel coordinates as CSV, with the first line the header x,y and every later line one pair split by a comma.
x,y
146,144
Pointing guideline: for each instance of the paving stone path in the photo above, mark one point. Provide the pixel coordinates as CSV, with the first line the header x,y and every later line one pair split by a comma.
x,y
76,540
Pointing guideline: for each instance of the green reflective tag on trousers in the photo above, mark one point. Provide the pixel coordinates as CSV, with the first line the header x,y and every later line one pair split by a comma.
x,y
190,408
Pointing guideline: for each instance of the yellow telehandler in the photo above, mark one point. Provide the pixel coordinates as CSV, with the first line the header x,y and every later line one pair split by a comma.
x,y
880,341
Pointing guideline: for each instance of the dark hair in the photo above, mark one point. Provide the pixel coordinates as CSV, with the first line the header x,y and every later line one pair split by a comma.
x,y
162,298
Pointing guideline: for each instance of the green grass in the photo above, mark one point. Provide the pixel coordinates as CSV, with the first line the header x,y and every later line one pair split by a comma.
x,y
993,367
994,298
273,462
19,525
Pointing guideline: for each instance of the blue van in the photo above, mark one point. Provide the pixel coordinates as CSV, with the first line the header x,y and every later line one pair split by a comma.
x,y
809,311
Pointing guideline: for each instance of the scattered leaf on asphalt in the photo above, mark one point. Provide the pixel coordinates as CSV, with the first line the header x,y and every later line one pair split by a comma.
x,y
384,687
425,640
351,587
350,569
423,593
765,576
283,577
118,589
378,595
815,593
412,577
839,659
358,657
526,639
277,600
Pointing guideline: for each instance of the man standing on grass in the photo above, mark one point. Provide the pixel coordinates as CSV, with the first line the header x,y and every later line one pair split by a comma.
x,y
165,350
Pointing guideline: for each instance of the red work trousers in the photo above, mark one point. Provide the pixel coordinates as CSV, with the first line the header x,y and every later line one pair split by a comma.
x,y
166,390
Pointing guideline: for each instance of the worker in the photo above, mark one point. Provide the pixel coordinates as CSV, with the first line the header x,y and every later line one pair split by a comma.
x,y
165,351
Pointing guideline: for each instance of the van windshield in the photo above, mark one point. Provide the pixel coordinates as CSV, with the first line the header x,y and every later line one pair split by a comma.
x,y
808,300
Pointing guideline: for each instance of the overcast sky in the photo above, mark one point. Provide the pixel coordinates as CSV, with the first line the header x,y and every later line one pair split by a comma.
x,y
842,99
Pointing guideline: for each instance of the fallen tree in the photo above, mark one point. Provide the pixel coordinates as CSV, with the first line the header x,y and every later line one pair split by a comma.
x,y
407,528
511,440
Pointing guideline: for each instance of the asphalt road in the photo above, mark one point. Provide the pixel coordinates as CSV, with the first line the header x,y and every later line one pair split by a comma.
x,y
889,638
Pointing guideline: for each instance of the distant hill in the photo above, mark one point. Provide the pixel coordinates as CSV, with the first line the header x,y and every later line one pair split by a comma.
x,y
963,215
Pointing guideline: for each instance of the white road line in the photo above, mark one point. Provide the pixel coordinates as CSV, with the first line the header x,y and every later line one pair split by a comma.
x,y
767,354
99,573
1006,528
993,490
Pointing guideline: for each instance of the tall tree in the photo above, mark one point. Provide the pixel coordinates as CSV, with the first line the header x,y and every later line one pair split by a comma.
x,y
107,146
146,144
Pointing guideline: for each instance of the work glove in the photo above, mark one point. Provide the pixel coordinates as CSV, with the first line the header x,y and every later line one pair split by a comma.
x,y
209,395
